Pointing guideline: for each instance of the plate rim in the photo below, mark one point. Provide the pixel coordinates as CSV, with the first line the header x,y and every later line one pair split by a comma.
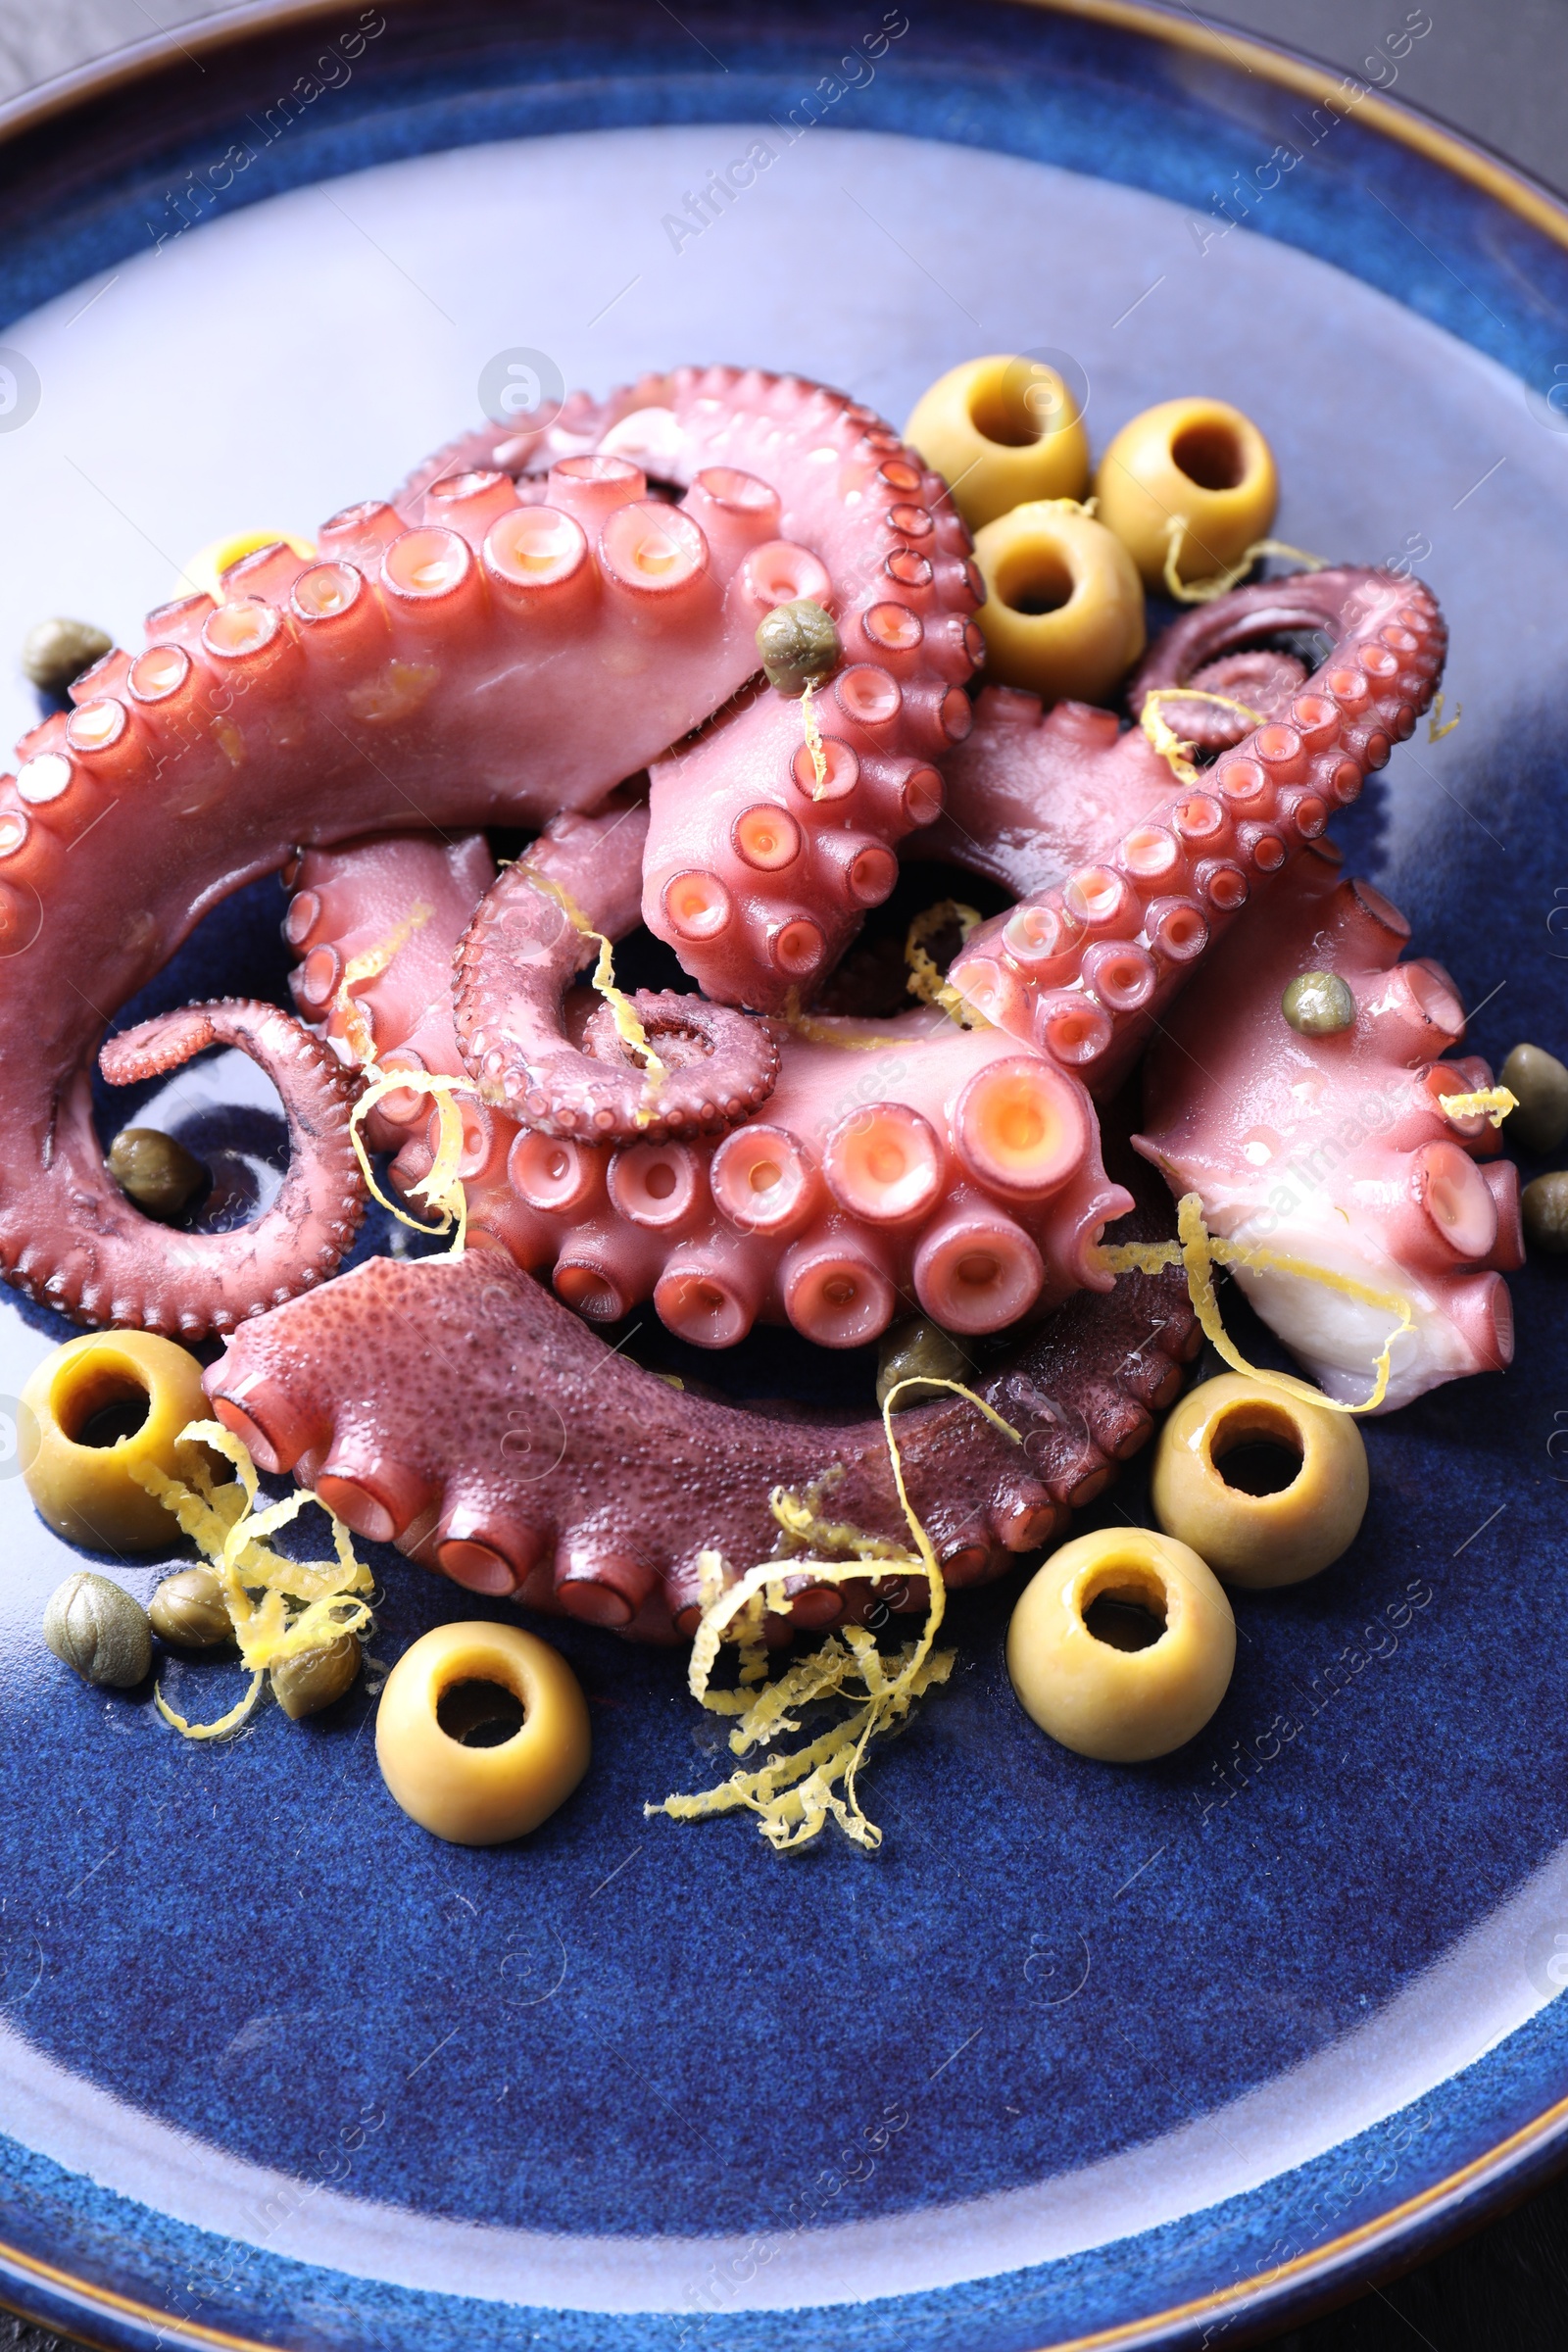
x,y
1409,2231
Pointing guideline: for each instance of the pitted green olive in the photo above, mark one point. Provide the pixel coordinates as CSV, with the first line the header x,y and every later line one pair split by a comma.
x,y
95,1627
1122,1644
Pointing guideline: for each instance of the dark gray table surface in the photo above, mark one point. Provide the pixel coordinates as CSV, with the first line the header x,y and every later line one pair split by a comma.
x,y
1499,70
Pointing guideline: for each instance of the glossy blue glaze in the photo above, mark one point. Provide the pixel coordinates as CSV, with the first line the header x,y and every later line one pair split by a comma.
x,y
692,2081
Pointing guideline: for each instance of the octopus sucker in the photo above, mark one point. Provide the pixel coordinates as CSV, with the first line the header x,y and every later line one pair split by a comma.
x,y
480,1448
1081,969
1336,1149
688,1068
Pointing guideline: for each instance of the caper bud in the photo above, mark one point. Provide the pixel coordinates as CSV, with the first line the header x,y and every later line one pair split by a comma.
x,y
303,1685
1545,1208
57,652
1540,1083
915,1351
798,645
95,1627
1318,1004
188,1608
155,1172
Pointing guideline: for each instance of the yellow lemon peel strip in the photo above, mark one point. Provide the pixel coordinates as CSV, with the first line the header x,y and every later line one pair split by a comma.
x,y
628,1028
1198,1251
1204,592
1495,1101
226,1528
1437,726
925,981
225,1723
1162,735
813,744
440,1190
369,965
795,1795
822,1033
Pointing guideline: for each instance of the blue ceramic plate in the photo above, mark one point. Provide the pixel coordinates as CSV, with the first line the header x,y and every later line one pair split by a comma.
x,y
1134,2057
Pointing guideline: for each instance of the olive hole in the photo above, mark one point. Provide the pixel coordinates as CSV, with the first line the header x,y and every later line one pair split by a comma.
x,y
1000,411
1257,1465
102,1409
1210,455
1036,581
1127,1617
480,1714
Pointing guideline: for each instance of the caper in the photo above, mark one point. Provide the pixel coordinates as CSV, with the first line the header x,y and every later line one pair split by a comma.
x,y
798,645
303,1685
1544,1206
918,1350
1318,1004
154,1170
1540,1083
95,1627
57,652
188,1608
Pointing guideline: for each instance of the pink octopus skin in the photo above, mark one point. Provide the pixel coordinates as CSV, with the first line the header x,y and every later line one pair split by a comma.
x,y
454,1409
875,1178
357,898
293,1245
514,967
1081,970
1336,1149
907,1159
489,654
757,875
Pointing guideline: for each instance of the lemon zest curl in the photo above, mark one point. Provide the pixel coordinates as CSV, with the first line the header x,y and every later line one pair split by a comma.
x,y
278,1609
797,1793
628,1028
1177,753
813,744
1198,1251
1204,592
925,981
1495,1101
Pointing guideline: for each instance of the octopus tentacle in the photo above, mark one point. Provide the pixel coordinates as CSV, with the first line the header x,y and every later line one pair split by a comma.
x,y
374,923
902,1160
760,871
1264,679
1335,1148
506,656
932,1164
480,1450
118,1267
1081,970
1036,791
521,953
